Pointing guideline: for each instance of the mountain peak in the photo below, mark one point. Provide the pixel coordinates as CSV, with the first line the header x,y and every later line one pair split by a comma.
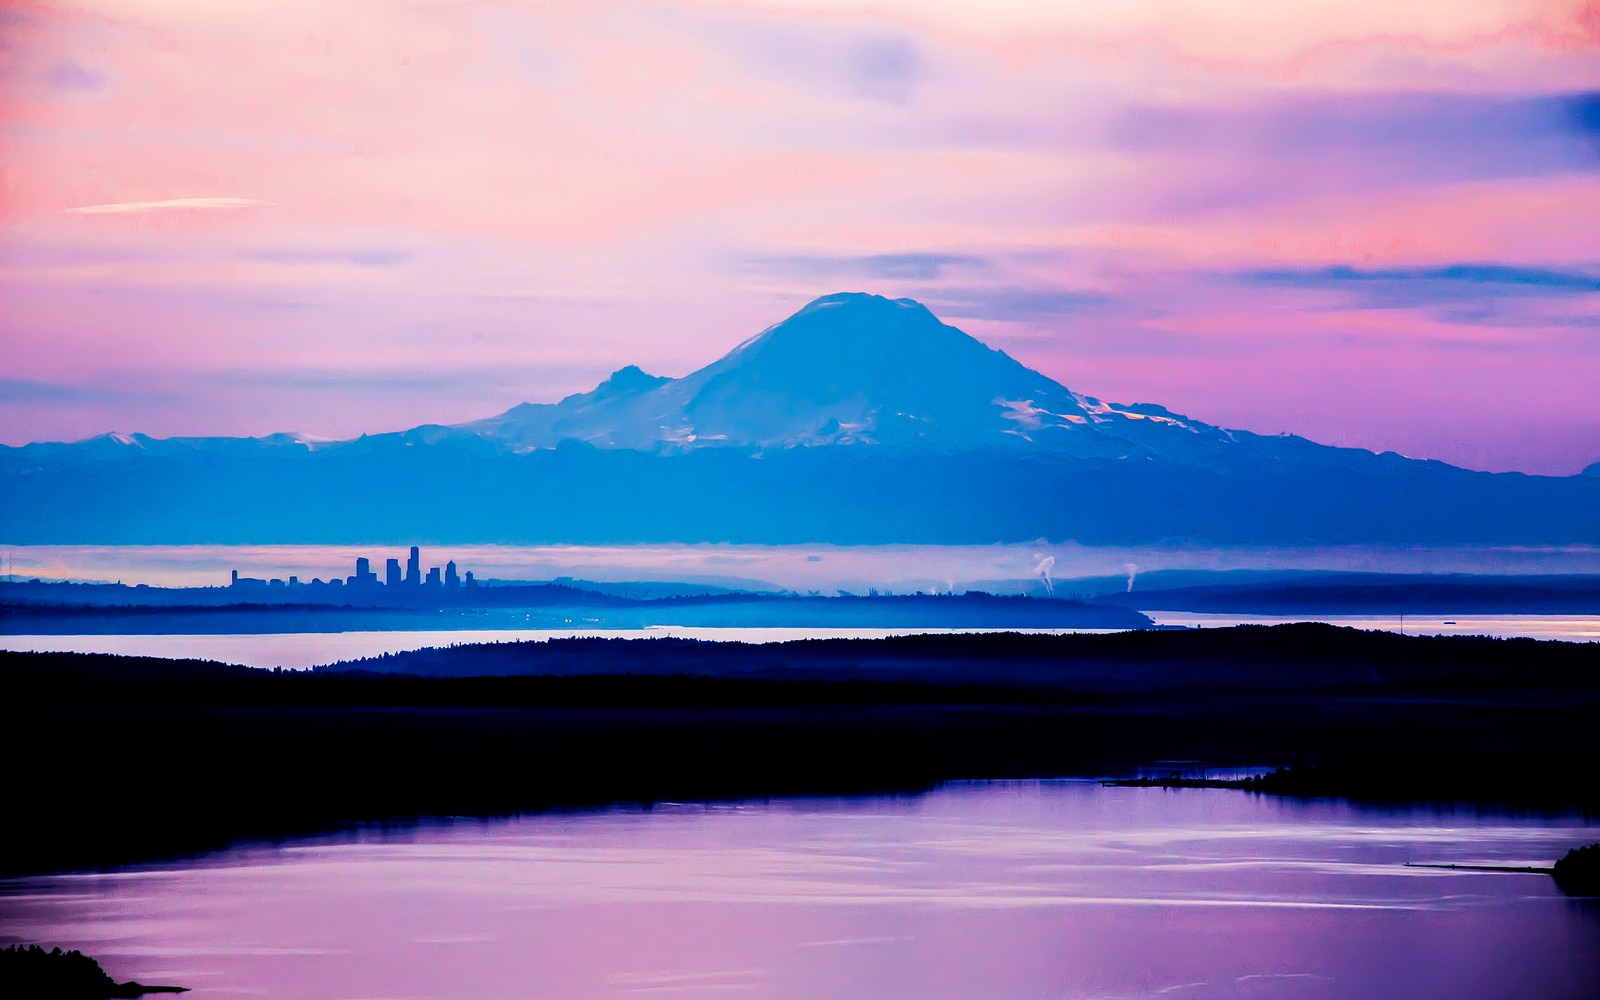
x,y
853,367
627,380
861,311
863,301
847,368
852,329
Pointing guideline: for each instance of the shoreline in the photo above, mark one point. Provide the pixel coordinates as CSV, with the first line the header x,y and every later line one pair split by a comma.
x,y
139,760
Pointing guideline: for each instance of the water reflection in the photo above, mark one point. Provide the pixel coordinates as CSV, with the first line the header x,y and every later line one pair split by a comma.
x,y
1569,628
299,650
1060,889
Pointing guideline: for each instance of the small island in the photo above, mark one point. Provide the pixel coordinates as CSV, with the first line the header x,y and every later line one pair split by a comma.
x,y
1578,871
30,971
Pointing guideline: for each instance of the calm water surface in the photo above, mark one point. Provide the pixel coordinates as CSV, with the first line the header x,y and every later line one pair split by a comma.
x,y
297,650
1060,889
1572,628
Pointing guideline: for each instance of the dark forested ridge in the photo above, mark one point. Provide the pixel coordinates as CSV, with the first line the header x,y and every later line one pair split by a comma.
x,y
30,972
1296,656
134,759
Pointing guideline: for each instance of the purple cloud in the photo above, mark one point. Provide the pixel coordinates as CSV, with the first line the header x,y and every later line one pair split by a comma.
x,y
889,266
1314,144
71,76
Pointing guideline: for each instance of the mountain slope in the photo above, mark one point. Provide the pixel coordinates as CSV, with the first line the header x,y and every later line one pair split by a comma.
x,y
848,369
852,369
857,420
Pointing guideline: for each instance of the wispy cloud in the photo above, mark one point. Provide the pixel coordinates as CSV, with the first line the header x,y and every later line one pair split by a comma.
x,y
72,76
1015,304
1306,145
903,266
1504,131
1404,287
167,205
489,387
375,257
29,391
23,392
881,63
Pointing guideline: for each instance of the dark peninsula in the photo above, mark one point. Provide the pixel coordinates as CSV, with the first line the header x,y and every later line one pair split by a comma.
x,y
29,971
152,758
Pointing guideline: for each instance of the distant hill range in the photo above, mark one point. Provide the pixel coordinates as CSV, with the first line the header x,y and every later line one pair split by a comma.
x,y
68,609
859,419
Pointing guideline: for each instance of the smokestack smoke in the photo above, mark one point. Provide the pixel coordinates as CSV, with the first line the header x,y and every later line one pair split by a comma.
x,y
1046,564
1133,571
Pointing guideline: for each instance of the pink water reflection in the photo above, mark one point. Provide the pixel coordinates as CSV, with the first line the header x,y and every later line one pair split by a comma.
x,y
1027,890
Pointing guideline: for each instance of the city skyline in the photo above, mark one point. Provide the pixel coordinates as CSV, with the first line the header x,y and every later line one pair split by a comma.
x,y
447,578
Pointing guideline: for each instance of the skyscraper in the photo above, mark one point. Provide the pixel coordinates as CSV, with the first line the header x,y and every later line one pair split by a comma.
x,y
414,568
391,573
451,579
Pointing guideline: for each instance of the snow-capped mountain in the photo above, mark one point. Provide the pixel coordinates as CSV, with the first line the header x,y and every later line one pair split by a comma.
x,y
851,369
848,369
859,419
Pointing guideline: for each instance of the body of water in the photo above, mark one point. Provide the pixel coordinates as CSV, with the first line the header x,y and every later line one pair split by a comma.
x,y
1057,889
297,650
1572,628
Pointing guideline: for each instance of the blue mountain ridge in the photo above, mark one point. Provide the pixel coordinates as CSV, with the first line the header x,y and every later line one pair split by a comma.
x,y
859,418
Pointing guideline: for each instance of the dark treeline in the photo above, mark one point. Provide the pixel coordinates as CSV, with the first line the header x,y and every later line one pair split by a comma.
x,y
30,972
1299,656
1578,871
123,759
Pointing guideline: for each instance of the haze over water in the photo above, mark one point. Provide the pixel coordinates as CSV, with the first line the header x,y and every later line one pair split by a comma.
x,y
799,567
1057,889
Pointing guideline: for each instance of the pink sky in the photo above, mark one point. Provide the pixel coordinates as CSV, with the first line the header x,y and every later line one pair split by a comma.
x,y
1371,223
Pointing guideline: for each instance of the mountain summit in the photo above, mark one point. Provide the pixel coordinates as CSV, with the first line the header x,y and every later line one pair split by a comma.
x,y
848,368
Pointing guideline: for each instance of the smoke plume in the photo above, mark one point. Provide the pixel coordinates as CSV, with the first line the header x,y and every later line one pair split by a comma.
x,y
1046,564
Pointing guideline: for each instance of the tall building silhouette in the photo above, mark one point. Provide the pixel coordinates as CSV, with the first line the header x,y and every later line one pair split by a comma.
x,y
449,577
